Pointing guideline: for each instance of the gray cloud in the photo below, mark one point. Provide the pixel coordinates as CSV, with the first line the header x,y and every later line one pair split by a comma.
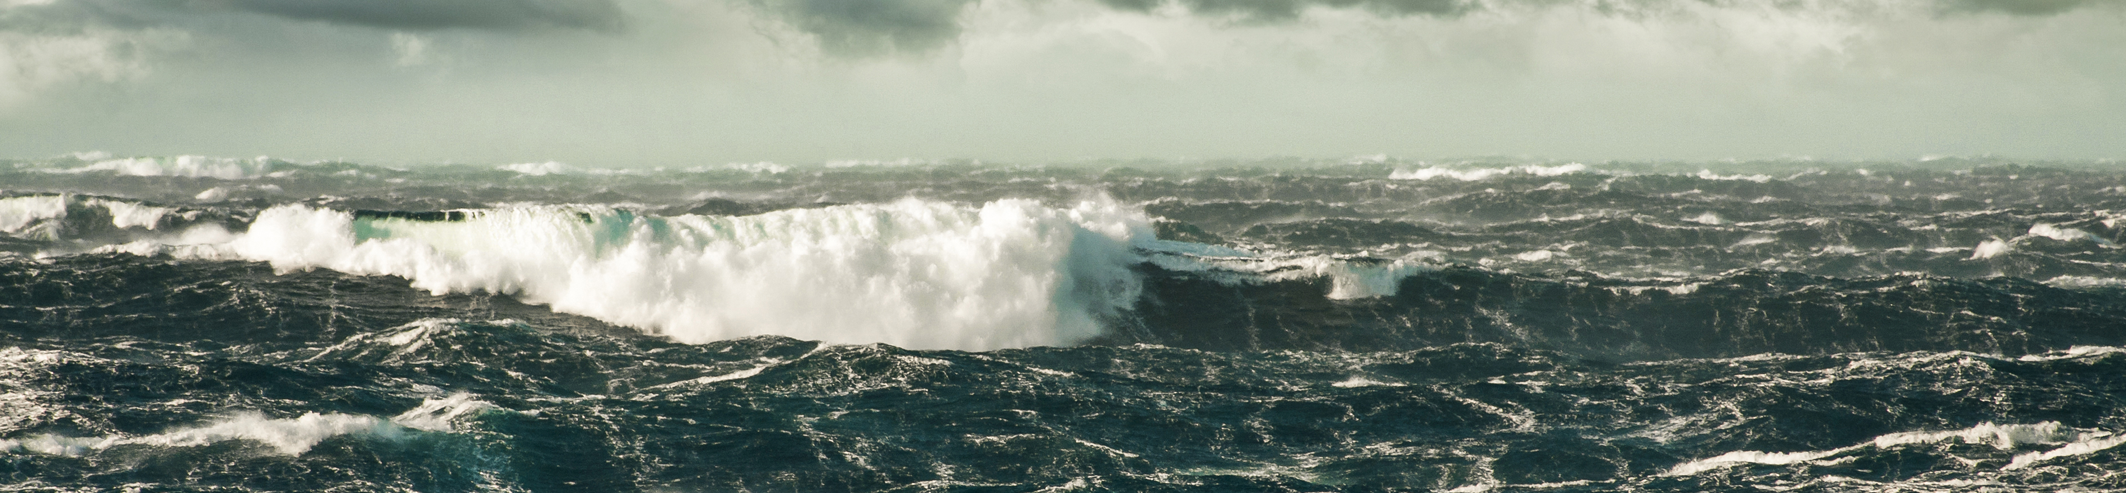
x,y
2020,7
1272,10
407,15
1279,10
597,15
876,27
849,28
873,27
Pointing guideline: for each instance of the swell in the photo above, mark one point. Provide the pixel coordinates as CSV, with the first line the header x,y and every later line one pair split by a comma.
x,y
107,296
536,409
1612,261
1743,313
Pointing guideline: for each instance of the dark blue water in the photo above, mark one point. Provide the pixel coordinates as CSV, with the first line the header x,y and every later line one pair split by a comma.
x,y
206,324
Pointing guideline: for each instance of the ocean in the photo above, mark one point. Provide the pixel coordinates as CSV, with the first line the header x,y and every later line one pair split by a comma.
x,y
198,323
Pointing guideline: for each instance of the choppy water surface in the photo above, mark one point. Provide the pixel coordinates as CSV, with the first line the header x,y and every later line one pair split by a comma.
x,y
210,324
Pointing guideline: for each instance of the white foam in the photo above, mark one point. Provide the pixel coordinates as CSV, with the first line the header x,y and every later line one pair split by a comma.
x,y
878,163
52,445
736,375
1706,174
1706,218
2084,282
1349,279
401,342
1357,381
540,169
1990,248
2076,352
1754,239
767,167
40,217
1535,255
2000,437
2049,230
2097,443
1746,457
289,436
443,415
215,194
1352,280
2003,437
32,217
131,215
202,241
1479,174
913,273
182,166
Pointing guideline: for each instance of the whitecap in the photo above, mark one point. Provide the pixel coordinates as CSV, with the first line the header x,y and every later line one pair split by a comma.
x,y
1479,174
914,273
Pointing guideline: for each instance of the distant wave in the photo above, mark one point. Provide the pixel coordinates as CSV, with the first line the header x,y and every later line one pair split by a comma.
x,y
1480,173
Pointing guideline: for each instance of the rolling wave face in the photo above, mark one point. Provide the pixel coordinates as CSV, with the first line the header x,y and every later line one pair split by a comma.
x,y
1269,326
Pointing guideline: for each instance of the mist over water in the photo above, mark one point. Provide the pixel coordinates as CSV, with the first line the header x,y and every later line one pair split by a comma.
x,y
1373,324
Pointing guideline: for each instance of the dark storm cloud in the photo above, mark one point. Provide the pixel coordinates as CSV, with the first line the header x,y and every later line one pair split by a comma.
x,y
1275,10
2021,7
876,27
1289,9
852,28
871,27
409,15
598,15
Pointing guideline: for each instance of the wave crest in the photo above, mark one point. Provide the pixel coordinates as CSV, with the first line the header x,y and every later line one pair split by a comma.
x,y
913,273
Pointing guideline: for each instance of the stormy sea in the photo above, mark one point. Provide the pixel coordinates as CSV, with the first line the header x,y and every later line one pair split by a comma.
x,y
187,323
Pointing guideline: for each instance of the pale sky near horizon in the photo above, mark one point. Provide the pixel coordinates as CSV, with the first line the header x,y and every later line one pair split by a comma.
x,y
673,82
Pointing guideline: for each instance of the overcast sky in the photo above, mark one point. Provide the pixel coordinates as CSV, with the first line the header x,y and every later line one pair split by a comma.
x,y
678,82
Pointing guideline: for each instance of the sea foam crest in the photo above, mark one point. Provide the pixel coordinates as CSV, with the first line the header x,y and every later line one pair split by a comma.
x,y
32,216
181,166
2003,437
1349,278
557,168
288,436
1479,174
42,217
913,273
2049,230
